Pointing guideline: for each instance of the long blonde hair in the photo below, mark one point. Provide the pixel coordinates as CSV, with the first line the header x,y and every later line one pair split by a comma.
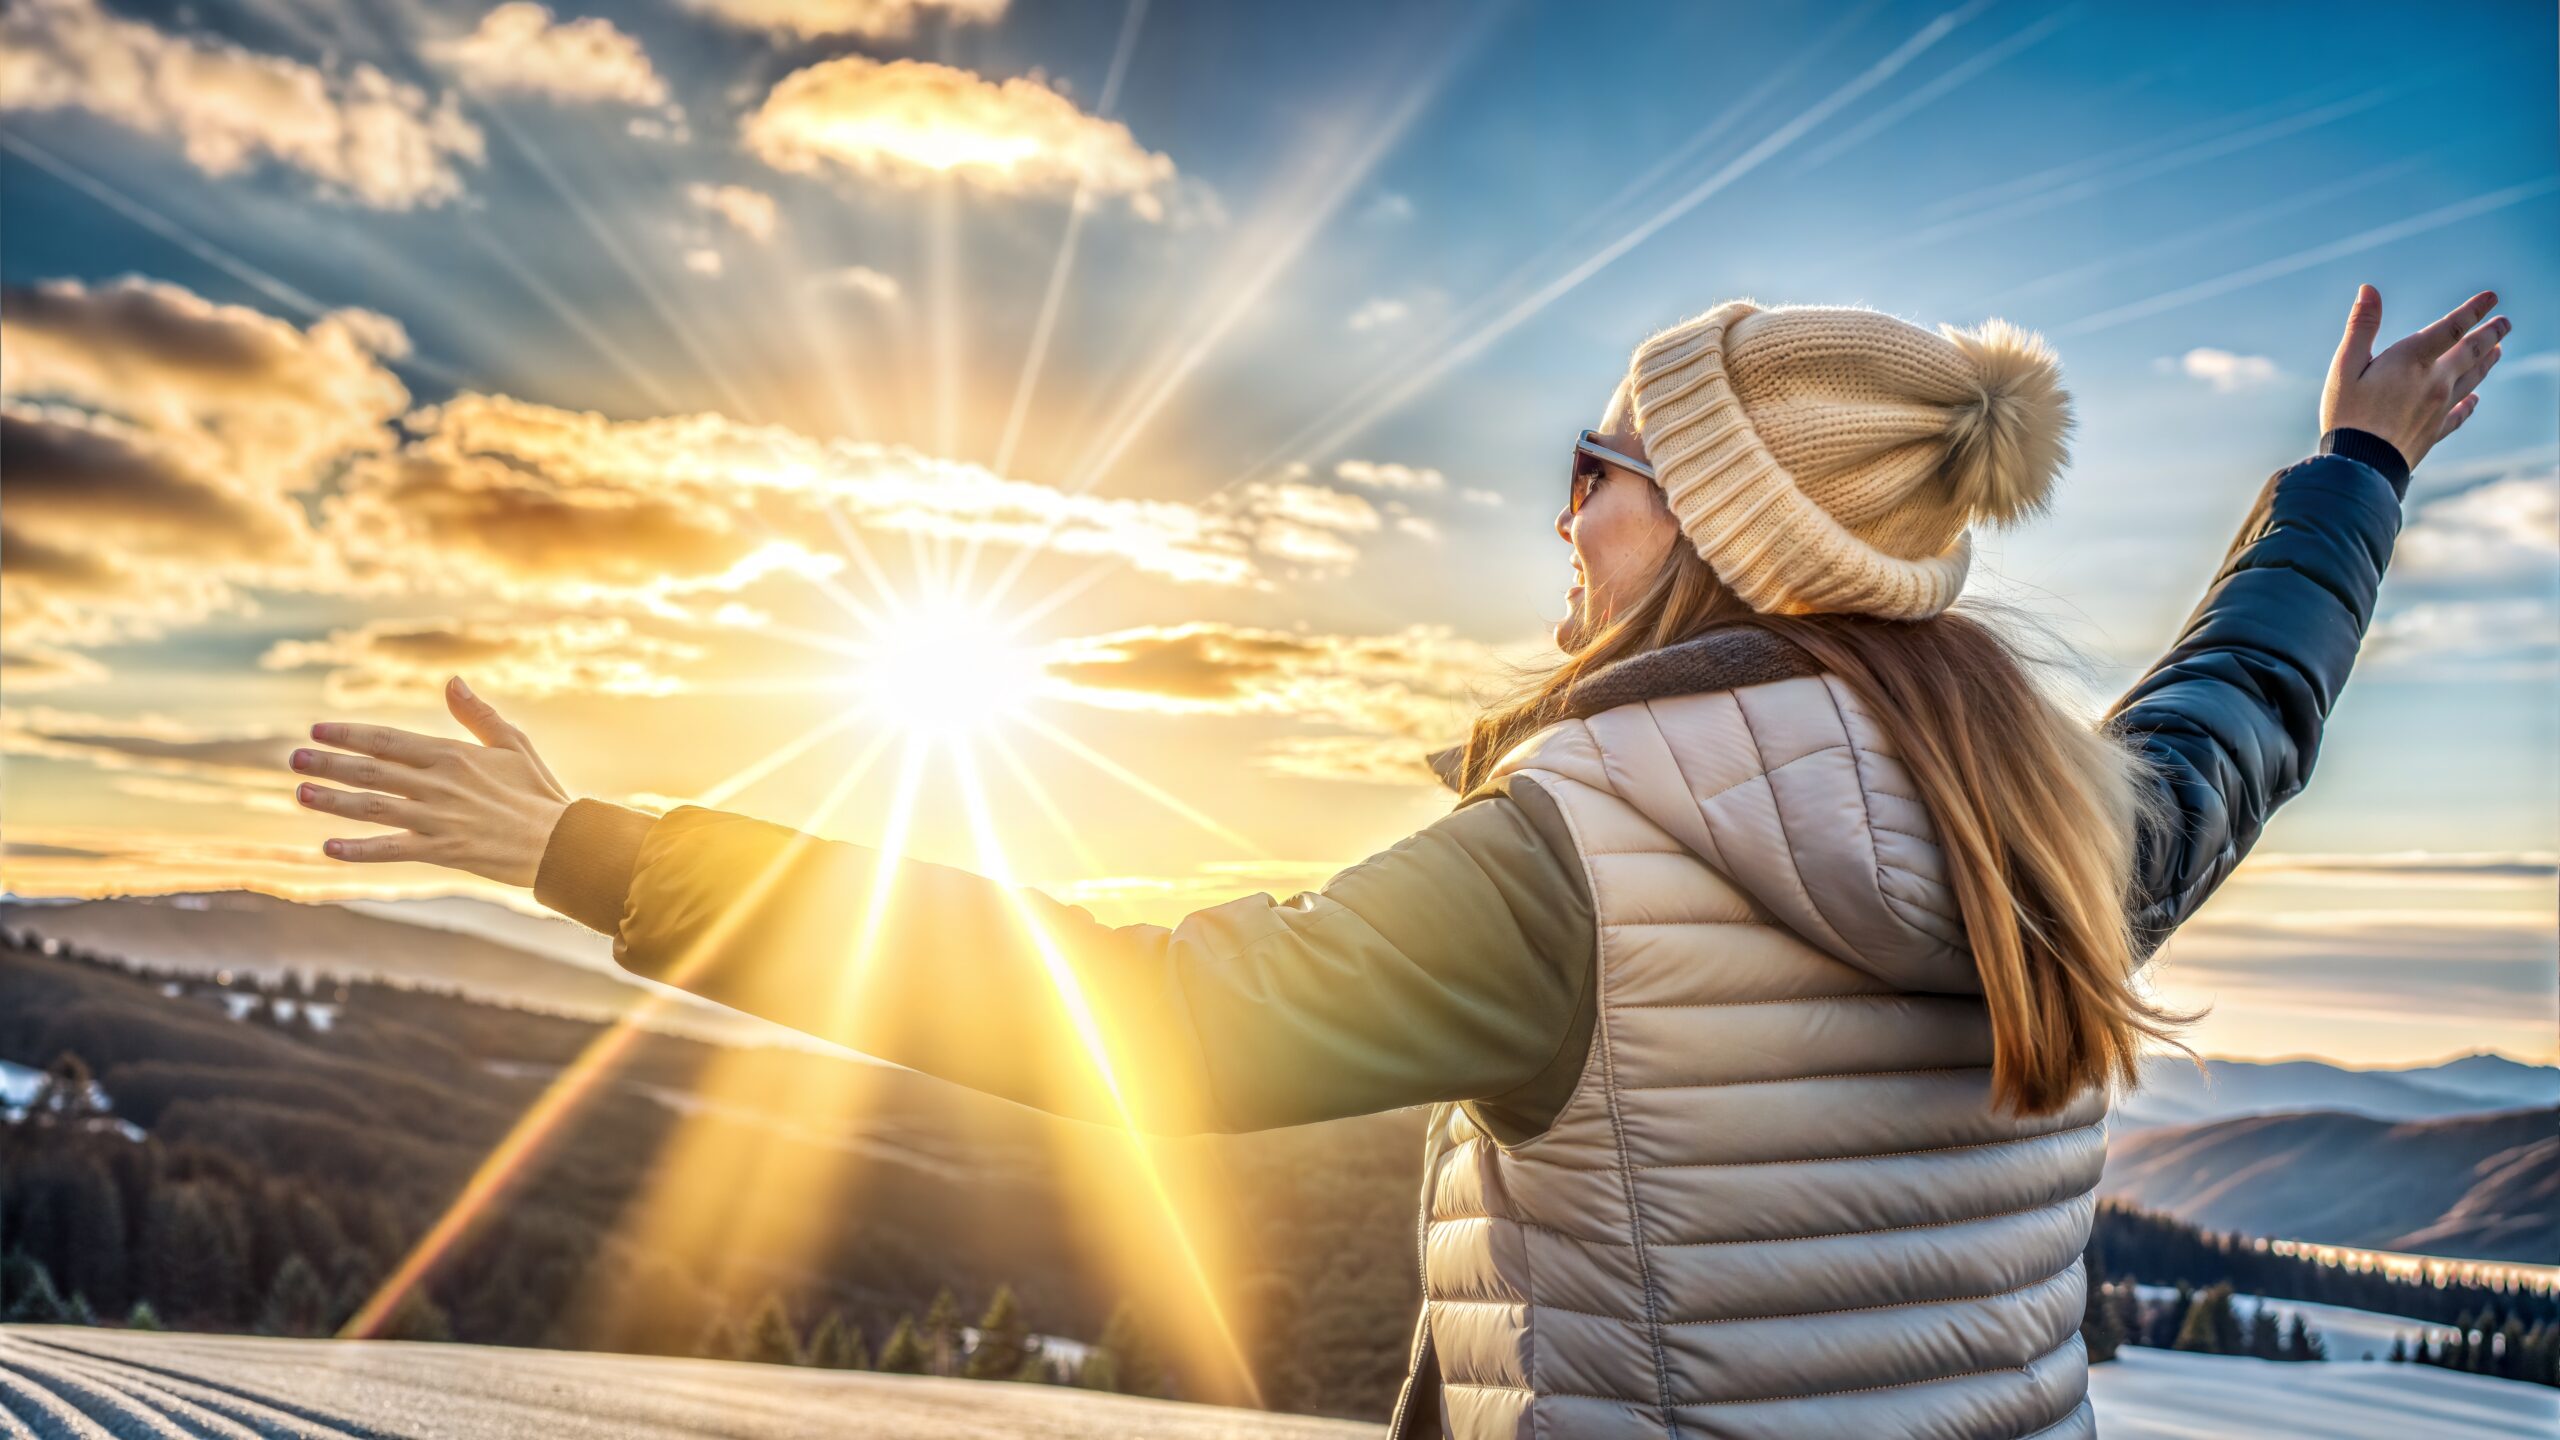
x,y
2036,809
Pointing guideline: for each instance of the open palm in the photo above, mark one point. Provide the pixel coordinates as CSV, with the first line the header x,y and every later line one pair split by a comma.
x,y
487,808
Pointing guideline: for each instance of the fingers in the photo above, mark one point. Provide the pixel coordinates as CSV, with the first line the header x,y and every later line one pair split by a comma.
x,y
479,716
2439,337
2478,351
405,747
360,771
374,849
2364,321
370,806
2453,418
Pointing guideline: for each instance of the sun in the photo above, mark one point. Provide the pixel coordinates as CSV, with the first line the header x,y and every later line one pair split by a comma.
x,y
944,670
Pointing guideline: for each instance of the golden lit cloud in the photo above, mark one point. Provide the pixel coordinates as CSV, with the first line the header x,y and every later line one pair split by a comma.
x,y
543,503
363,136
906,122
751,212
522,48
272,401
1399,695
28,668
870,19
86,861
152,442
405,662
153,744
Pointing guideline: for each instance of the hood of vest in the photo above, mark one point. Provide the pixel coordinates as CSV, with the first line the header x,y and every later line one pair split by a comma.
x,y
1738,745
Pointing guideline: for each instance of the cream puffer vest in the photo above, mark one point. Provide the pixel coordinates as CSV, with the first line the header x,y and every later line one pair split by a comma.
x,y
1779,1204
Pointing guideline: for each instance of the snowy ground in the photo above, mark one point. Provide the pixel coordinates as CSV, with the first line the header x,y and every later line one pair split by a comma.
x,y
2163,1395
71,1384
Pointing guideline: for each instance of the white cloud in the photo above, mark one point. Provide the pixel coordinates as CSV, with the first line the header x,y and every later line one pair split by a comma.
x,y
861,280
870,19
2226,372
1490,499
751,212
1378,313
362,135
908,122
703,260
2504,532
1386,475
521,48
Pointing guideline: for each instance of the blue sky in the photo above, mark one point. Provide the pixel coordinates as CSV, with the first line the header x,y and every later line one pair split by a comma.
x,y
1342,280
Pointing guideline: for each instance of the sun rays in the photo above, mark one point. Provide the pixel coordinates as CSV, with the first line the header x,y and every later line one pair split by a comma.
x,y
943,680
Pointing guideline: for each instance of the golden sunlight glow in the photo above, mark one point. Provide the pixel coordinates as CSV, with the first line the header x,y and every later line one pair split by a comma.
x,y
943,669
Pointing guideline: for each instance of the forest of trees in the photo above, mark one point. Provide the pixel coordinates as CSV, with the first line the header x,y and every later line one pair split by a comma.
x,y
2503,1330
264,1175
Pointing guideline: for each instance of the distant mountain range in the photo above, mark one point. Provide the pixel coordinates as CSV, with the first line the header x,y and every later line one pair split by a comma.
x,y
2481,1186
484,950
2173,1093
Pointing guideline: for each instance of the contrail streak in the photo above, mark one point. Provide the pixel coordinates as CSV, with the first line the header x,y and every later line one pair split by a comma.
x,y
1440,365
2303,260
1955,76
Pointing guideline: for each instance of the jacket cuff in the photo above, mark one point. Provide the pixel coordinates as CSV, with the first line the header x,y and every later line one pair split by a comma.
x,y
586,865
2373,450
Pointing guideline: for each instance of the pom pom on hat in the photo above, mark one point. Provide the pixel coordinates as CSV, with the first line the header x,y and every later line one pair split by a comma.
x,y
2008,447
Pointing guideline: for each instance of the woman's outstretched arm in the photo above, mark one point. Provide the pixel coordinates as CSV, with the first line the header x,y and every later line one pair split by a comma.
x,y
1446,967
2232,715
1456,964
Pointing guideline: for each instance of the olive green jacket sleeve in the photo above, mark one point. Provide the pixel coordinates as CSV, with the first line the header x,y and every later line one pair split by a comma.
x,y
1455,965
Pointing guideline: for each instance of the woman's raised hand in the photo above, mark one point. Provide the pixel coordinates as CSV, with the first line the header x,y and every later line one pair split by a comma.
x,y
486,808
2420,390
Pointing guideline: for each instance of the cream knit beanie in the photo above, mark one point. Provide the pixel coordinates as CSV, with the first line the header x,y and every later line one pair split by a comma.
x,y
1830,458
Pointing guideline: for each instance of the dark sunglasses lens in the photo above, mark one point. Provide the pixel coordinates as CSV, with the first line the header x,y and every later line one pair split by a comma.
x,y
1586,474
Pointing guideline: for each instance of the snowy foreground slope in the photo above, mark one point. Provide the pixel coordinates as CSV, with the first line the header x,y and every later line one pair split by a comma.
x,y
60,1383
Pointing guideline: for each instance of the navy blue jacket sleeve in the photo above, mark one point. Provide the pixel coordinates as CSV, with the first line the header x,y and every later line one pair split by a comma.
x,y
2231,716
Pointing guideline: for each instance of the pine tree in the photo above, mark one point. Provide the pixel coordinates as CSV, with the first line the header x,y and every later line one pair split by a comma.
x,y
942,1333
143,1317
297,1303
2301,1342
903,1353
416,1317
2100,1328
2210,1328
1004,1339
771,1340
2171,1318
2399,1350
719,1339
33,1300
1133,1369
2266,1335
836,1345
1097,1372
193,1253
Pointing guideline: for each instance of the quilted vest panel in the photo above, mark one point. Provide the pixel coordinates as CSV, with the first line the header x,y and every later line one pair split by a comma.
x,y
1779,1204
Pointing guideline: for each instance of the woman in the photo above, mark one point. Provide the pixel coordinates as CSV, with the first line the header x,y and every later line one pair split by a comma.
x,y
1770,978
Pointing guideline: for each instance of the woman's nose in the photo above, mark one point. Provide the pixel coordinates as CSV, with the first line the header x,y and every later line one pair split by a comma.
x,y
1564,523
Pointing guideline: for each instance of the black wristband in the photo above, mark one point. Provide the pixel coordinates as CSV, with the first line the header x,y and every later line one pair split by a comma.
x,y
2373,450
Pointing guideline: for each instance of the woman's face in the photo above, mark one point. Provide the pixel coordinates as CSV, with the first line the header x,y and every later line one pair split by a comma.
x,y
1619,540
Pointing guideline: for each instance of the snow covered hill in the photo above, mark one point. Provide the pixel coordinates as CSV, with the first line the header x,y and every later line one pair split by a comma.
x,y
59,1383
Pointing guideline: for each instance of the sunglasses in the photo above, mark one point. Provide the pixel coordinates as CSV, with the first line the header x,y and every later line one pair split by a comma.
x,y
1591,460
